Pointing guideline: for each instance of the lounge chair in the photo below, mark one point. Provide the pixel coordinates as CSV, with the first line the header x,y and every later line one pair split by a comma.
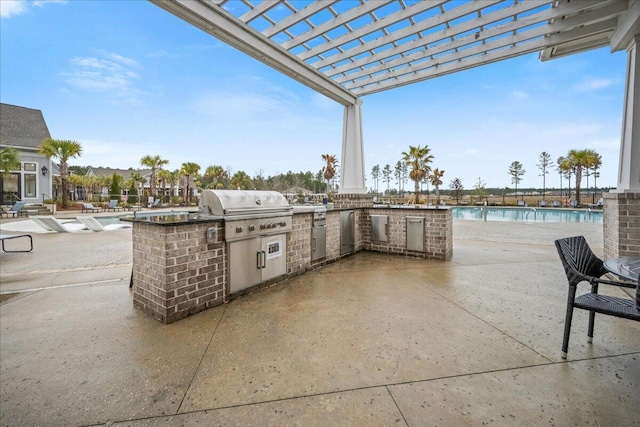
x,y
522,203
113,206
92,224
582,265
49,223
543,203
16,209
597,205
88,207
556,204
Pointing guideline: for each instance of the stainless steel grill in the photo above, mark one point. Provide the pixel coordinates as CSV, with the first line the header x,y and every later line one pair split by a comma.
x,y
247,213
255,227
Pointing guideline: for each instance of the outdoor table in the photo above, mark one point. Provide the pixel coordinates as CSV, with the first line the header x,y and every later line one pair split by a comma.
x,y
628,268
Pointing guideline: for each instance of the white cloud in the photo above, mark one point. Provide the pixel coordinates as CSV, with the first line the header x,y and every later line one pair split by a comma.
x,y
9,8
518,94
612,143
589,84
106,72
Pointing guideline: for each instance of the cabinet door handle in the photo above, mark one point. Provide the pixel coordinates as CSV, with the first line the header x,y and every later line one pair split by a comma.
x,y
264,260
258,260
314,243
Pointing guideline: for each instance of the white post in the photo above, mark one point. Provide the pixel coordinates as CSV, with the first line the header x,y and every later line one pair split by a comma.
x,y
352,166
629,167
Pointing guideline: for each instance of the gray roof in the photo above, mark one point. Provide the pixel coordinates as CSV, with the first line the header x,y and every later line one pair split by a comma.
x,y
126,173
22,127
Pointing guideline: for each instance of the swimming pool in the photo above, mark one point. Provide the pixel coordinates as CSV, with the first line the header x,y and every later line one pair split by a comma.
x,y
527,214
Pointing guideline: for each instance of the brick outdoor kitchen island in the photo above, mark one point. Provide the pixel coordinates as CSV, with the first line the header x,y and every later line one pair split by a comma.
x,y
181,261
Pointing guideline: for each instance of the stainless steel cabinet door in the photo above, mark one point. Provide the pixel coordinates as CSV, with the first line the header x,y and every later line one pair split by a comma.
x,y
347,232
318,242
245,260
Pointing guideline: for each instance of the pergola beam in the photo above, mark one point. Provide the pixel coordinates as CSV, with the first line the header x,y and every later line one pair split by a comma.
x,y
220,24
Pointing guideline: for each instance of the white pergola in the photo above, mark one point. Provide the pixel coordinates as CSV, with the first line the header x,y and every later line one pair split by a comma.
x,y
349,49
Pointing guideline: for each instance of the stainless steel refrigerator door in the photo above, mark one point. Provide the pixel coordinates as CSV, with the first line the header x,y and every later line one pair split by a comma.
x,y
347,231
318,242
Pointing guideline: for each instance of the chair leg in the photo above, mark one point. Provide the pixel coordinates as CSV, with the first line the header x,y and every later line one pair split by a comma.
x,y
567,321
592,316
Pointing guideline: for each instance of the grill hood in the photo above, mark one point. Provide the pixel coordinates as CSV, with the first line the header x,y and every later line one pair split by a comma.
x,y
242,202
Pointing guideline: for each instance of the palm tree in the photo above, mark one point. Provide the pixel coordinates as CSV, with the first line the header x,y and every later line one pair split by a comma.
x,y
154,163
189,169
580,161
418,159
163,177
565,167
436,182
544,165
241,180
9,161
63,150
329,170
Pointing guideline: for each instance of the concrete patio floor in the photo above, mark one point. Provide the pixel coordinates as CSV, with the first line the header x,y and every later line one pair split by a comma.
x,y
369,340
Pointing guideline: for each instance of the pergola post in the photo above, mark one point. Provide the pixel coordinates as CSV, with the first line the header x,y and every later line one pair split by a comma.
x,y
622,206
352,166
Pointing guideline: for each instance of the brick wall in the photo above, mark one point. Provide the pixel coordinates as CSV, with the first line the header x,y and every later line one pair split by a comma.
x,y
176,273
621,224
351,201
438,232
299,244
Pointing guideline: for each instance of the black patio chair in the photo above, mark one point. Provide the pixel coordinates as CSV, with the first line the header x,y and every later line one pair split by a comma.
x,y
582,265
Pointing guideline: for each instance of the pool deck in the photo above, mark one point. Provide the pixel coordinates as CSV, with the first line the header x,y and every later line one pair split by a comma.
x,y
371,340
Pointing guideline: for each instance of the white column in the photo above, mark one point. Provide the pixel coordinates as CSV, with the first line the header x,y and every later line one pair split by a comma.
x,y
629,167
352,162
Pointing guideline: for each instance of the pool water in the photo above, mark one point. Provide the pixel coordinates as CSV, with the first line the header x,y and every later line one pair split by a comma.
x,y
528,215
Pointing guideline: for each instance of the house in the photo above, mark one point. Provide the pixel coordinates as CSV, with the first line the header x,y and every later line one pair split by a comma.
x,y
25,129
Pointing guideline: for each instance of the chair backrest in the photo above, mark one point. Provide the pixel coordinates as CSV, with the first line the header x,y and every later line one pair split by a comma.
x,y
578,260
113,203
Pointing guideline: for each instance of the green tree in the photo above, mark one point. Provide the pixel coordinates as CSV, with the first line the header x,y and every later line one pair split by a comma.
x,y
457,189
436,181
189,170
115,188
418,159
9,161
580,161
386,176
163,176
241,180
375,174
63,150
133,198
516,171
329,169
479,189
565,168
544,166
154,163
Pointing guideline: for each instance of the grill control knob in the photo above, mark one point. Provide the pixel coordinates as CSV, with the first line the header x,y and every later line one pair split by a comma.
x,y
273,225
263,226
252,227
283,224
239,229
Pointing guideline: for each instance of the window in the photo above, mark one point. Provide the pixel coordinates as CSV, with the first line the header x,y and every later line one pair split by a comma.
x,y
29,184
30,167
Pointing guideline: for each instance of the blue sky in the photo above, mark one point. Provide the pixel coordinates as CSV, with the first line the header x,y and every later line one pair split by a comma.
x,y
127,79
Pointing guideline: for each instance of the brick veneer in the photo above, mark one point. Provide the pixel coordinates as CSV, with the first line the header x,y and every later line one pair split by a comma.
x,y
438,232
176,273
621,223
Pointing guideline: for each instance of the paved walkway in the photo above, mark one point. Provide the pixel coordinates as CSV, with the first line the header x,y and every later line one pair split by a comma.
x,y
369,340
